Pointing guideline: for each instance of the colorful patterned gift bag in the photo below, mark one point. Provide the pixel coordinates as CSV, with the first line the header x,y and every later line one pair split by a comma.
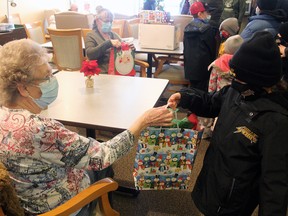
x,y
165,157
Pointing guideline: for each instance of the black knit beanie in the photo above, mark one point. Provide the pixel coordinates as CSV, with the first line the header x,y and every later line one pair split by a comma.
x,y
258,62
267,4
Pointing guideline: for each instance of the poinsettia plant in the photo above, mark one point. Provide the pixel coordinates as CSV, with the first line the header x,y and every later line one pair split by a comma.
x,y
90,68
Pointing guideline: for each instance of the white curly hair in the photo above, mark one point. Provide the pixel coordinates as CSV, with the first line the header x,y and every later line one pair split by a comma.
x,y
19,60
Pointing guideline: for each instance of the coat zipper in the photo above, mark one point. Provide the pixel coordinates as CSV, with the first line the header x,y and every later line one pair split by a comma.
x,y
231,189
230,193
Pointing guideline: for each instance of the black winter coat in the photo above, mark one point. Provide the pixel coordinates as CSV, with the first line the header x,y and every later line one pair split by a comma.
x,y
199,49
246,163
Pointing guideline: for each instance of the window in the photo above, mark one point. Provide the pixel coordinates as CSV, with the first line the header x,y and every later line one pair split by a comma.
x,y
127,7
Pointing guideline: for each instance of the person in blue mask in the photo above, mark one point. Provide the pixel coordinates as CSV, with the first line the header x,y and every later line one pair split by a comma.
x,y
199,46
48,163
101,39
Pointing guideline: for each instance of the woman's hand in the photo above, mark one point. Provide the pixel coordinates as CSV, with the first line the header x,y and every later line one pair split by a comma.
x,y
174,100
116,43
159,116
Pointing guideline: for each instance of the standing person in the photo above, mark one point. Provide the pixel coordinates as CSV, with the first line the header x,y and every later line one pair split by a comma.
x,y
48,163
199,47
246,162
217,6
220,75
73,7
233,8
269,19
228,28
149,5
283,46
184,7
99,42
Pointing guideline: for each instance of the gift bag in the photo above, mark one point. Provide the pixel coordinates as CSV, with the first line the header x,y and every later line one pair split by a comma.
x,y
165,158
121,61
153,16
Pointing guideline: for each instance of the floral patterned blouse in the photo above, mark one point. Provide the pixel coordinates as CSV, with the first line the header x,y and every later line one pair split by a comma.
x,y
47,162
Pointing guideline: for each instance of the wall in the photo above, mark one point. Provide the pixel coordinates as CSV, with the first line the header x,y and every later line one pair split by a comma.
x,y
33,10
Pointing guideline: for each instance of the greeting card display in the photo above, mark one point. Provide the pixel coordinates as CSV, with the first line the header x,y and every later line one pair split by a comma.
x,y
165,157
122,61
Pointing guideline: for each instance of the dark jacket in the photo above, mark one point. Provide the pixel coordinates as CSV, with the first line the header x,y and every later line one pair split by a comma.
x,y
199,49
149,5
233,8
263,22
246,163
216,9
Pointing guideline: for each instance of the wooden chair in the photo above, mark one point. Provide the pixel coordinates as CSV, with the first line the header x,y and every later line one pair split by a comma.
x,y
72,19
85,31
173,71
15,18
10,205
3,19
132,27
35,31
67,48
118,26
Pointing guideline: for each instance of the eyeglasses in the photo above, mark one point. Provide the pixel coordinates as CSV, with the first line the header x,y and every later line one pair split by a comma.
x,y
42,80
106,21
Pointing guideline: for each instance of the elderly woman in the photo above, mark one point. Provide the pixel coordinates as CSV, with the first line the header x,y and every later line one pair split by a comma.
x,y
101,39
48,163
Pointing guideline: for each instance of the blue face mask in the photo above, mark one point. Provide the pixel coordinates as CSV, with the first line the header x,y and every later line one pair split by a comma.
x,y
49,91
106,27
207,19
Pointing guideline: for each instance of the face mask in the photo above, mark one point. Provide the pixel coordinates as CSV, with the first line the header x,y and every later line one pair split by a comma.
x,y
106,27
49,91
224,35
257,11
207,19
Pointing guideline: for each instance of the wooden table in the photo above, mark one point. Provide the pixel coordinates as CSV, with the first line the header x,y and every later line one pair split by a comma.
x,y
151,52
112,105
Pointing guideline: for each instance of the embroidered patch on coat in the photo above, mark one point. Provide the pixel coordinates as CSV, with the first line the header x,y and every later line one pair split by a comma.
x,y
247,133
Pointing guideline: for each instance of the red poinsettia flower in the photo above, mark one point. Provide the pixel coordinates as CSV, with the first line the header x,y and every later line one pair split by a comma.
x,y
90,68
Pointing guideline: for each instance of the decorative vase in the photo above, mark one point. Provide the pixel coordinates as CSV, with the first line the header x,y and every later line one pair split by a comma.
x,y
89,82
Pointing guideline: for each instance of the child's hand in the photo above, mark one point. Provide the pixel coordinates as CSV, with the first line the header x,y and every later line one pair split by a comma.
x,y
174,100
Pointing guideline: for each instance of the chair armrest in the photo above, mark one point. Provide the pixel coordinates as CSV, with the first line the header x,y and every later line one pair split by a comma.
x,y
99,189
143,66
141,63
